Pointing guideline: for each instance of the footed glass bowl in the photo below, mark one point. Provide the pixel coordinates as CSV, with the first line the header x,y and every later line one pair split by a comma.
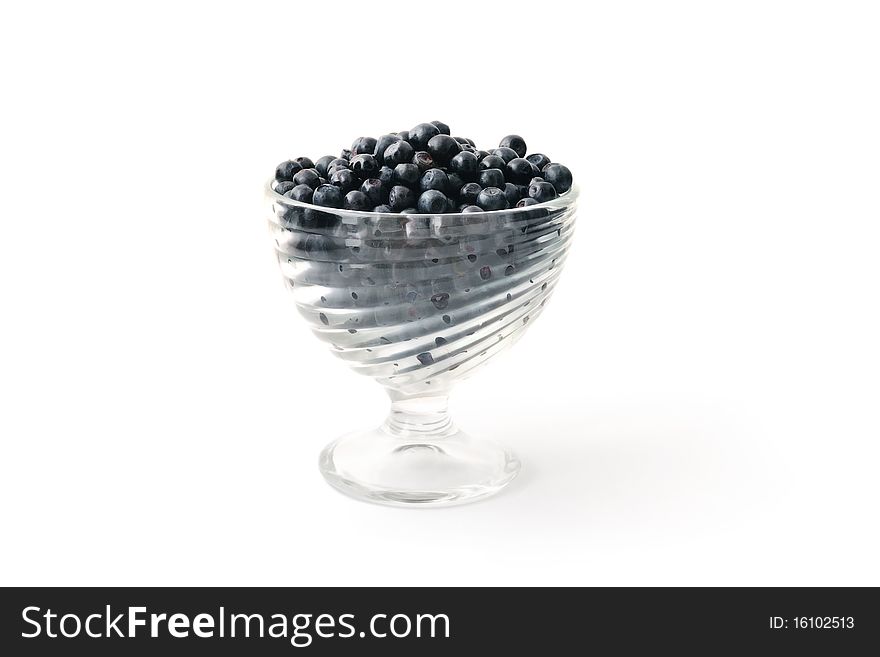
x,y
418,302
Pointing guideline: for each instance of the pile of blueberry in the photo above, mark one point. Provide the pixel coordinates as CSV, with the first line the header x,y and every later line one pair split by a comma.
x,y
424,170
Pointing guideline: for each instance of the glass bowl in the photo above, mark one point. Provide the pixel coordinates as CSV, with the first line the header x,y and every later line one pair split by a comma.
x,y
418,302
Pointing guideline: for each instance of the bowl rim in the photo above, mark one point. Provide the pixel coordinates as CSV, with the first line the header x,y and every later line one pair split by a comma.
x,y
565,200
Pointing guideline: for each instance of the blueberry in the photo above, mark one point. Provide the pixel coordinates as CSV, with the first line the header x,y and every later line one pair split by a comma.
x,y
492,198
434,179
467,148
386,175
304,162
492,162
398,153
515,142
363,145
469,192
523,190
465,140
409,211
344,180
345,154
455,183
442,127
301,193
462,206
364,166
465,164
526,202
506,154
443,148
520,171
383,143
327,196
481,154
542,191
425,358
406,174
400,197
472,208
491,178
511,192
307,177
557,175
383,208
337,162
286,170
432,202
539,160
322,164
284,186
356,200
322,180
423,160
421,134
537,179
375,190
404,134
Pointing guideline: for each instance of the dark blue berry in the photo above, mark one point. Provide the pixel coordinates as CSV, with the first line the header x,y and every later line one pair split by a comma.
x,y
557,175
492,162
432,202
364,165
434,179
286,170
542,192
304,162
356,200
423,160
537,179
344,179
455,183
421,134
345,154
472,208
515,142
328,196
491,178
400,198
284,186
404,134
469,192
398,153
465,164
520,171
375,191
386,175
383,208
482,154
506,154
308,177
425,358
539,160
322,164
301,193
526,202
468,148
363,145
406,174
492,198
511,192
442,127
443,148
383,143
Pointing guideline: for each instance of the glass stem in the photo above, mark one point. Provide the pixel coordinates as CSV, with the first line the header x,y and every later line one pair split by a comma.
x,y
420,417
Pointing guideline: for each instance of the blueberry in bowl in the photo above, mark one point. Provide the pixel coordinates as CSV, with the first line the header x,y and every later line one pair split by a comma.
x,y
417,259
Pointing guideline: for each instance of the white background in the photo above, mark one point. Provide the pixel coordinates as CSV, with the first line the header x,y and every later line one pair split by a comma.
x,y
698,404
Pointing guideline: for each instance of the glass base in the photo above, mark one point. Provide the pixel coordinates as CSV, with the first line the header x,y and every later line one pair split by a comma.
x,y
417,459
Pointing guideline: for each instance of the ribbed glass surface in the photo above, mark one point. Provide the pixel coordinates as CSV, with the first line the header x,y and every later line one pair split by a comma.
x,y
417,301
